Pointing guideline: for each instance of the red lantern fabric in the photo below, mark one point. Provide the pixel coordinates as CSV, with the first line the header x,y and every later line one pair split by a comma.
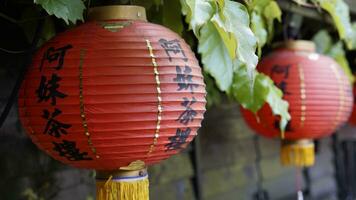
x,y
352,119
318,92
108,93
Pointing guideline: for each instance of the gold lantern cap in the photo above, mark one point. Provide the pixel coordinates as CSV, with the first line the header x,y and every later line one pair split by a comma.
x,y
298,45
127,12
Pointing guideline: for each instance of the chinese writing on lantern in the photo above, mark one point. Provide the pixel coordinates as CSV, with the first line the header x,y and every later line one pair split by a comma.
x,y
283,72
172,46
69,150
49,90
184,80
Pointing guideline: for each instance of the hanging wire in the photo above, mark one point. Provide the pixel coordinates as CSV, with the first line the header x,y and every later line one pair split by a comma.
x,y
298,183
13,51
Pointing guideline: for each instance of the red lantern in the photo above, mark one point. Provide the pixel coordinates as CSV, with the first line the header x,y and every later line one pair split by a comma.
x,y
352,119
319,96
114,94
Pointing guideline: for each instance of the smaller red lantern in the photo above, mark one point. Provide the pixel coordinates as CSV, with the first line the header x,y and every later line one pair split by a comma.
x,y
319,95
352,119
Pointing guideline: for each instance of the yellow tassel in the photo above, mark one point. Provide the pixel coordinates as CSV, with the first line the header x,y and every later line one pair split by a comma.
x,y
298,153
123,185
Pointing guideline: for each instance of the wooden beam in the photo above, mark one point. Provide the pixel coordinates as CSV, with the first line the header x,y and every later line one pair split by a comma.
x,y
307,12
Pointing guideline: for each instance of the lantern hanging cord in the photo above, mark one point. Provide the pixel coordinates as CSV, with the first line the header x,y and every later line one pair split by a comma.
x,y
298,178
28,60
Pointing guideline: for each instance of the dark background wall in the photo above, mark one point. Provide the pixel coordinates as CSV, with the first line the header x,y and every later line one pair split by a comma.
x,y
228,166
225,155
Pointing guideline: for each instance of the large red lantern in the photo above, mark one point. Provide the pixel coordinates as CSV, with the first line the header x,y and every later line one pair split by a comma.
x,y
114,94
319,95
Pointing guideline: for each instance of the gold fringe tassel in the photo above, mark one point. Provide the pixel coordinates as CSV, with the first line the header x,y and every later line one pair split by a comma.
x,y
298,153
128,188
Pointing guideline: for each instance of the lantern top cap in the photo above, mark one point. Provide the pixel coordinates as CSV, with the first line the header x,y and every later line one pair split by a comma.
x,y
299,45
116,12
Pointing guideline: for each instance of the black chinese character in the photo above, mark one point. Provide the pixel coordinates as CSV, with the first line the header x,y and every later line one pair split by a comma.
x,y
184,79
69,150
57,55
283,86
54,127
189,114
178,140
172,46
48,90
278,69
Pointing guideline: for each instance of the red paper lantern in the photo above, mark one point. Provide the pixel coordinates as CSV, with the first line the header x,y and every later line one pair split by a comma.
x,y
112,92
352,119
319,96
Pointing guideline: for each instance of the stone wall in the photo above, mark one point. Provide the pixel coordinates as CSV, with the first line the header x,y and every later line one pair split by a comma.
x,y
228,165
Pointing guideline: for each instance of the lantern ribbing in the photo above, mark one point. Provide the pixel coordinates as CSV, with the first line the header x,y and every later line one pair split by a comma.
x,y
94,98
319,97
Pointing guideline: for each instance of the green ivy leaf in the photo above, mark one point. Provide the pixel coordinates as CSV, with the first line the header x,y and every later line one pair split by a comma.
x,y
324,45
258,27
353,26
226,42
197,12
263,14
158,2
339,11
68,10
215,56
338,53
271,13
232,22
323,41
264,90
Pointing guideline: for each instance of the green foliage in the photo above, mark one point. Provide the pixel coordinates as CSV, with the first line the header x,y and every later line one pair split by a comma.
x,y
228,45
68,10
339,11
263,91
215,57
197,13
224,35
263,14
29,194
172,16
324,45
